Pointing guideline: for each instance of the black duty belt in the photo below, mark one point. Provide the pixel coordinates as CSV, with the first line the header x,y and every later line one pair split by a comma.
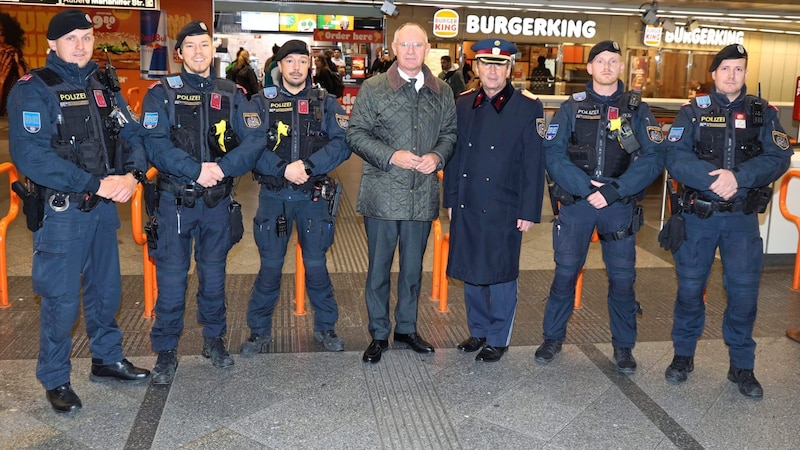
x,y
188,193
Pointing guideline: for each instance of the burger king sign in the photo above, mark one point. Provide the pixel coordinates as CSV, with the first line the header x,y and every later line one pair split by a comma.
x,y
445,23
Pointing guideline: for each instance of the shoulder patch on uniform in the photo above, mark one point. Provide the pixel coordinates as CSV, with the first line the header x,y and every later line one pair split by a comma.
x,y
781,140
25,77
579,96
540,127
703,101
175,82
155,83
31,121
251,119
675,134
150,120
529,94
270,92
552,131
343,120
655,134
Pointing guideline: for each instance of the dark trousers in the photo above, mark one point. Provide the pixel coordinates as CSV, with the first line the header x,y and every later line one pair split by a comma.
x,y
75,250
315,231
383,236
491,310
572,233
179,227
741,251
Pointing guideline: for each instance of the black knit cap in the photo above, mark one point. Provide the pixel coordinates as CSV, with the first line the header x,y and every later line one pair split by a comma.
x,y
294,46
604,46
67,21
193,28
733,51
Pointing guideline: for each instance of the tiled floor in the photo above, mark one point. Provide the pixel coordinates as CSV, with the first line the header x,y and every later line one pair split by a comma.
x,y
298,396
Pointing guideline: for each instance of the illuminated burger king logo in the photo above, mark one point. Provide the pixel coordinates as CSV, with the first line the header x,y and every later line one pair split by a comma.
x,y
445,23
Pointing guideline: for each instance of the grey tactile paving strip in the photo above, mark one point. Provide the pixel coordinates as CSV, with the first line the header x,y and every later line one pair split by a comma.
x,y
406,406
19,325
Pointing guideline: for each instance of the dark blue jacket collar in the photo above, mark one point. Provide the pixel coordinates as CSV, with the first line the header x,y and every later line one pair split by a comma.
x,y
203,84
70,71
607,99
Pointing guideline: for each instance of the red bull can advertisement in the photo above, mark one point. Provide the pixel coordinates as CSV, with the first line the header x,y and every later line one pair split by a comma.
x,y
153,44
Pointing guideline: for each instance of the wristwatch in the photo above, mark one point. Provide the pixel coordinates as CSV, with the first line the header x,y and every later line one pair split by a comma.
x,y
139,175
308,167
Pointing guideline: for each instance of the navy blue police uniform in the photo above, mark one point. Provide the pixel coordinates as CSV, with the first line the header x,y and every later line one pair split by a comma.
x,y
744,136
495,177
309,126
179,112
582,144
67,131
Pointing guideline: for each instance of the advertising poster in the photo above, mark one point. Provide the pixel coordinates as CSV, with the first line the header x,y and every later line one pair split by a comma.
x,y
359,62
334,22
140,42
638,72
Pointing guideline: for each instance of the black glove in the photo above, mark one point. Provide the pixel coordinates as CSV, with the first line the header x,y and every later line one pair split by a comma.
x,y
673,234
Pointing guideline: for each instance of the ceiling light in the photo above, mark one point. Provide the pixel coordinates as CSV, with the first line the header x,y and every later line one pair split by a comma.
x,y
649,14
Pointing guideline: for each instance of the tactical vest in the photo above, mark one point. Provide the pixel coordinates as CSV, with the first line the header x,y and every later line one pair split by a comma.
x,y
192,113
591,147
82,136
305,118
714,127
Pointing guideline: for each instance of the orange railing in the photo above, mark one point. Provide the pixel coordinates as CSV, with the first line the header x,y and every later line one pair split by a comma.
x,y
13,210
299,281
441,248
134,102
792,218
150,285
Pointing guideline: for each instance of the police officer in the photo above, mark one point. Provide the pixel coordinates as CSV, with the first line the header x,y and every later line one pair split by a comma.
x,y
305,141
725,148
200,132
602,150
68,123
493,189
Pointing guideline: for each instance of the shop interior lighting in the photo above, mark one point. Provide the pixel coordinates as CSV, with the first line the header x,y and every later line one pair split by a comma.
x,y
667,24
649,14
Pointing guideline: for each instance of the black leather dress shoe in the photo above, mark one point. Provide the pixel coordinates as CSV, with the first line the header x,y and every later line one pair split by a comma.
x,y
490,354
120,371
375,350
471,344
63,399
414,341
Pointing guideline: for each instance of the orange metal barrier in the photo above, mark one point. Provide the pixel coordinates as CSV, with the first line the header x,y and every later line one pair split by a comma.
x,y
438,268
792,218
136,106
579,282
13,210
443,285
299,281
150,285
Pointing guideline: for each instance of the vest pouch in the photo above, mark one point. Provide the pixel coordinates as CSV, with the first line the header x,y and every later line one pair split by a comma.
x,y
183,138
213,195
314,143
757,200
64,149
747,151
91,157
583,156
